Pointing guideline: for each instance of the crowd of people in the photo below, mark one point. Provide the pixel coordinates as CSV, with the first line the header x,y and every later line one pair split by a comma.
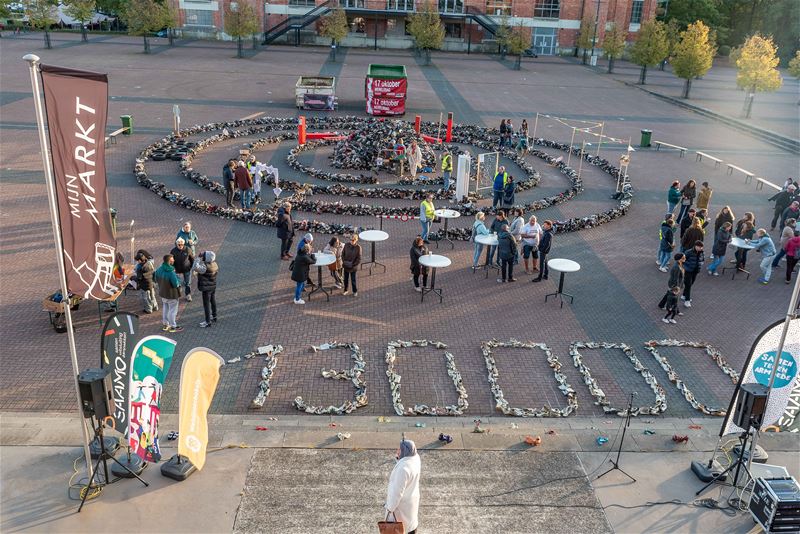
x,y
682,240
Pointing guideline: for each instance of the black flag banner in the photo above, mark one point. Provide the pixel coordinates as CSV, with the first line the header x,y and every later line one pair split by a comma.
x,y
120,336
76,105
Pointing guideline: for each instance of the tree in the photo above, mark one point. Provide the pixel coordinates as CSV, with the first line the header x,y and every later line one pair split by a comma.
x,y
335,28
42,14
144,17
585,36
427,29
502,35
113,8
794,65
614,44
5,8
517,42
673,29
693,55
240,21
82,11
170,21
651,46
757,69
685,12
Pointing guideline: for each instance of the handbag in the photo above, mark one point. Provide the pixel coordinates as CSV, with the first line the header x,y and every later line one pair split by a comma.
x,y
391,527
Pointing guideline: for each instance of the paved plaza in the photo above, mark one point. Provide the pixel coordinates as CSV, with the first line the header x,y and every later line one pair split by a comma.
x,y
616,290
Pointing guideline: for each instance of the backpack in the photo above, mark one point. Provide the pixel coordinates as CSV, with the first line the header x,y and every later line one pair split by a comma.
x,y
199,266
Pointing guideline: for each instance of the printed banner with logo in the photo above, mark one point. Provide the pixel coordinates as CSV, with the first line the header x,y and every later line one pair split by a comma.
x,y
758,369
151,360
119,338
318,102
386,106
199,377
394,88
76,105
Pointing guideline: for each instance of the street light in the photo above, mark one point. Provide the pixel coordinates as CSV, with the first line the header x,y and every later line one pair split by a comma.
x,y
596,22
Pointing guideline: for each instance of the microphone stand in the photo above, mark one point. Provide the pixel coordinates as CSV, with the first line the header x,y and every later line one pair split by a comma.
x,y
615,463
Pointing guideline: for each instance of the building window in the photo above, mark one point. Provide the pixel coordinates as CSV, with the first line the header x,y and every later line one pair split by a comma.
x,y
498,7
198,17
358,25
353,4
400,5
302,3
452,29
546,9
636,11
451,6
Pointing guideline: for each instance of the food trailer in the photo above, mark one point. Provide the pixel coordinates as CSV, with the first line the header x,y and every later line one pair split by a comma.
x,y
385,89
316,93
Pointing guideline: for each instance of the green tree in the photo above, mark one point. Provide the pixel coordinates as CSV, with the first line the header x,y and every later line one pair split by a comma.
x,y
502,35
82,11
144,17
685,12
693,55
170,20
794,65
427,29
113,8
517,42
651,46
42,14
673,29
5,8
335,28
585,36
614,44
758,71
240,21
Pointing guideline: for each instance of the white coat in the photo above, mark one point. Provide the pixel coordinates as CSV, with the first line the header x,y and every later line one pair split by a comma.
x,y
403,495
414,160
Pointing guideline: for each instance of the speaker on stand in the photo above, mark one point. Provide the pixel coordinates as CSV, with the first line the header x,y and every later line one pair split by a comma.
x,y
96,390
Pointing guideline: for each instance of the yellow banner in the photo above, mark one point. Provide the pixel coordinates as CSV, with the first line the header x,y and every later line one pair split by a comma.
x,y
199,377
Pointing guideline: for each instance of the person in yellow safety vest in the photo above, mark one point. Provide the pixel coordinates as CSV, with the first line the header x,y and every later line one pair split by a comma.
x,y
499,185
426,216
447,168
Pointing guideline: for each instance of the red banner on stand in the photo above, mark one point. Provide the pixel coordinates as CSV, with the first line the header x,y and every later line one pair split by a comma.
x,y
386,106
395,88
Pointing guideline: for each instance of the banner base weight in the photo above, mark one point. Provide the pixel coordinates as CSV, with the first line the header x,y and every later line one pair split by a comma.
x,y
178,468
129,466
111,444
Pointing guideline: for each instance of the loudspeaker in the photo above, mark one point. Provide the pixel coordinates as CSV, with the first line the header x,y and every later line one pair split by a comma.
x,y
94,386
750,406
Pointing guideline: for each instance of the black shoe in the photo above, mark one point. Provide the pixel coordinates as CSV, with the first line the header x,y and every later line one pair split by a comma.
x,y
536,280
213,319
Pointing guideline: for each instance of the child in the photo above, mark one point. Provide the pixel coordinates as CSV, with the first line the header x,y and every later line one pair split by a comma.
x,y
672,305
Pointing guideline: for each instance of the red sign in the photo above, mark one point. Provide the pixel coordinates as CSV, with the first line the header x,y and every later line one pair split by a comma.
x,y
387,88
386,106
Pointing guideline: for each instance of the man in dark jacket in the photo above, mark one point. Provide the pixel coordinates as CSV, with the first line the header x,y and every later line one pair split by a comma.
x,y
496,227
229,181
183,265
791,212
285,228
169,289
145,269
506,252
207,286
544,249
676,276
300,271
686,222
692,265
782,201
499,186
667,243
245,184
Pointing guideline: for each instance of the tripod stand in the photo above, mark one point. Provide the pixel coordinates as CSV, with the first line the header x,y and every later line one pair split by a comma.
x,y
615,463
104,457
738,464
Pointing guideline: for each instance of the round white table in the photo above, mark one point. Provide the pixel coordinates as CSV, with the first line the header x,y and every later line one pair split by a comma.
x,y
433,261
323,260
738,242
563,266
446,214
488,241
372,237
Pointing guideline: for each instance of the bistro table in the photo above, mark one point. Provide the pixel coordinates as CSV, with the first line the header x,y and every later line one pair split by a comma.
x,y
738,242
371,237
446,214
323,260
489,241
434,261
563,266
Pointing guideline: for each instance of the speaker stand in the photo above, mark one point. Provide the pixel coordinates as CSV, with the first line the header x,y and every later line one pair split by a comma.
x,y
738,464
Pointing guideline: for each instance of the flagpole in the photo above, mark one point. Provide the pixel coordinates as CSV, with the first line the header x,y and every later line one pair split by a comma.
x,y
33,61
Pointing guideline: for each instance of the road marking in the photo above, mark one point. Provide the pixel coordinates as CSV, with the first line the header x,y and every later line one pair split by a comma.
x,y
253,116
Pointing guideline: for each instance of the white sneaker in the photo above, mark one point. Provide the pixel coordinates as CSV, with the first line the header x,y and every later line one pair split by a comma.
x,y
658,263
683,298
204,324
337,286
188,298
665,320
663,269
716,273
346,292
418,289
688,303
673,321
299,301
355,294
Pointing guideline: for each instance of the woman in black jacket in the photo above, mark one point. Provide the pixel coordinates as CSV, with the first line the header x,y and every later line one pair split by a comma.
x,y
506,251
688,194
285,228
207,286
300,269
418,250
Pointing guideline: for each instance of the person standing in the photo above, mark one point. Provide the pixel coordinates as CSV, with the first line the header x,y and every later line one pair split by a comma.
x,y
426,215
478,228
692,265
530,235
506,252
285,228
189,237
418,250
667,244
545,242
786,234
792,256
300,271
672,305
245,185
207,271
414,159
351,259
498,186
693,234
764,244
335,247
402,496
447,168
496,227
677,274
704,196
687,221
522,143
509,192
145,270
720,248
724,215
169,289
791,212
503,131
515,229
688,194
745,229
673,196
782,201
229,181
184,259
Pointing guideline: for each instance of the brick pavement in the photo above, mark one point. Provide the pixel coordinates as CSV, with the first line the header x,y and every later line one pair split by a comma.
x,y
615,291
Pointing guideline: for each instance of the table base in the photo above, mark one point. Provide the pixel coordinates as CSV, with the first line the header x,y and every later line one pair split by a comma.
x,y
560,292
446,238
372,261
318,287
736,270
432,289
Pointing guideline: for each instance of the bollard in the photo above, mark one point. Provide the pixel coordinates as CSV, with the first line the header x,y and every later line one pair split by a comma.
x,y
417,122
301,130
448,136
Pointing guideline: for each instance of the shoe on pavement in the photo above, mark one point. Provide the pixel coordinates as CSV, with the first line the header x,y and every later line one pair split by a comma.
x,y
673,321
355,294
337,286
500,280
716,273
663,269
175,329
299,301
213,319
688,303
147,312
512,279
188,298
204,324
418,289
536,280
165,328
665,320
346,292
683,298
763,281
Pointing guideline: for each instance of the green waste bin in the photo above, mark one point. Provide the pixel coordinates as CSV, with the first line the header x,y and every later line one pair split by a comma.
x,y
127,122
646,135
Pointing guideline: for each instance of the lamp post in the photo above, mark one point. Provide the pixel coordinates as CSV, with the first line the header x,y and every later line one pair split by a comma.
x,y
596,22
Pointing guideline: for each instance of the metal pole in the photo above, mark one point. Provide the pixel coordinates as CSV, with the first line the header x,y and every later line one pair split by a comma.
x,y
571,142
600,142
33,61
596,22
133,240
580,163
535,125
439,129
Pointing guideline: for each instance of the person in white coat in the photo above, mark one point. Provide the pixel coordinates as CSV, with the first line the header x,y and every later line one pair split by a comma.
x,y
402,498
414,159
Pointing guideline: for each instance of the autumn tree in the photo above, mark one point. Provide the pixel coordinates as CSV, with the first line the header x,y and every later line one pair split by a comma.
x,y
693,55
240,21
502,35
144,17
794,65
42,14
170,15
427,29
516,44
758,71
614,44
651,46
82,11
673,29
585,36
335,28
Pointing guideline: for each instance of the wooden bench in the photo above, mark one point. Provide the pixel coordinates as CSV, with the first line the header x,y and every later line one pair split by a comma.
x,y
112,137
760,183
701,155
659,144
748,176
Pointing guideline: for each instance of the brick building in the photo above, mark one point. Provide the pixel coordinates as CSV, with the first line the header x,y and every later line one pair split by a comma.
x,y
469,24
